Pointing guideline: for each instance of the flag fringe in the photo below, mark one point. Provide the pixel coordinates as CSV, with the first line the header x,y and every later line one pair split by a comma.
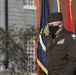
x,y
42,67
58,3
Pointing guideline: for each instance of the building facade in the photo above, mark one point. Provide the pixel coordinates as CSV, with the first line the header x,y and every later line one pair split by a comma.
x,y
19,15
22,14
2,13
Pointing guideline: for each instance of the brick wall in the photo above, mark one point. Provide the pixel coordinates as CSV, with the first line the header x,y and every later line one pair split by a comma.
x,y
63,4
38,12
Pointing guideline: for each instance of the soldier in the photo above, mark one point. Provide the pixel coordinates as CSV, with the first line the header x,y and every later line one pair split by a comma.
x,y
60,47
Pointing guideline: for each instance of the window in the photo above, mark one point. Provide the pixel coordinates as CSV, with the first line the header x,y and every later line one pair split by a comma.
x,y
31,54
28,4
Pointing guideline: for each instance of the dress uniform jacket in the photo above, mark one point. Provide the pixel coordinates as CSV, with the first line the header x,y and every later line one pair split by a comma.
x,y
61,53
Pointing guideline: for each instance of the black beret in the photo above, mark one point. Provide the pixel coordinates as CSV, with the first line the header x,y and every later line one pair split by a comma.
x,y
55,17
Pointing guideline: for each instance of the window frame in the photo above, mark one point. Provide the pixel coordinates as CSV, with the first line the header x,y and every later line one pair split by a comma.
x,y
27,6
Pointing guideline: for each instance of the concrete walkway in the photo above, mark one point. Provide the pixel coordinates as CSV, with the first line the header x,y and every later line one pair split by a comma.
x,y
8,73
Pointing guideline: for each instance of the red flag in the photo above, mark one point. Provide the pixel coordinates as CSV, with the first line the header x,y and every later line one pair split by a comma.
x,y
69,17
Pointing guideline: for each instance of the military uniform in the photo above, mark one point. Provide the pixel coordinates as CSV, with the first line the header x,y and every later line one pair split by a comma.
x,y
61,53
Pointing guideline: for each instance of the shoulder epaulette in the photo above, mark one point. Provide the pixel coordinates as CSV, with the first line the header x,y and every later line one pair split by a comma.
x,y
69,32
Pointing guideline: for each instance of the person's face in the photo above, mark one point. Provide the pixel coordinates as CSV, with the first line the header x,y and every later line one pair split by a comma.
x,y
55,27
56,23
